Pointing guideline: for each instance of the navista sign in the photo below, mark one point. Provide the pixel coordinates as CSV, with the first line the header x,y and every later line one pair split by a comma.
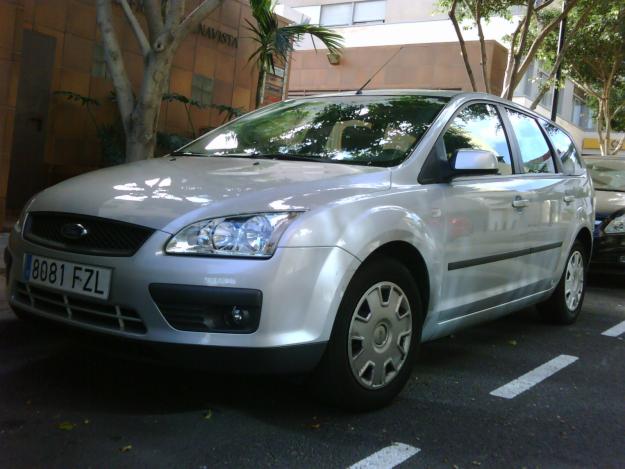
x,y
219,36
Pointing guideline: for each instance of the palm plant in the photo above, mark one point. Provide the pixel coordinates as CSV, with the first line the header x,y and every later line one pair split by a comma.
x,y
276,42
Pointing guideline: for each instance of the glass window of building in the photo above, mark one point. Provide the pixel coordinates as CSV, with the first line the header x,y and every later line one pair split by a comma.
x,y
98,65
547,98
369,12
582,114
528,80
339,14
479,127
277,71
535,153
344,14
202,89
560,100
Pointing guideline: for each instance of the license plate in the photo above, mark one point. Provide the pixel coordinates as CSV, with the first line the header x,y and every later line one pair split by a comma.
x,y
83,279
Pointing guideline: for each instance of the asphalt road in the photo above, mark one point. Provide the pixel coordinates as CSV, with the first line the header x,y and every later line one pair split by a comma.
x,y
62,407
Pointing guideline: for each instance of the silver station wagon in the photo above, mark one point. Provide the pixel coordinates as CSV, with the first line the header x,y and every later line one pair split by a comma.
x,y
329,235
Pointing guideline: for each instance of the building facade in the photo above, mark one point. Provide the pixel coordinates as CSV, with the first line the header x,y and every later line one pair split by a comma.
x,y
47,46
430,58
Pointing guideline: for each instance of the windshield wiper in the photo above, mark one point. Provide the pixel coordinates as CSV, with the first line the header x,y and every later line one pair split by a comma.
x,y
233,155
186,153
295,157
277,156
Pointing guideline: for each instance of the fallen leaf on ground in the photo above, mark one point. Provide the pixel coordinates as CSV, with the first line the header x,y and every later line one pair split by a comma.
x,y
512,342
67,426
125,449
208,414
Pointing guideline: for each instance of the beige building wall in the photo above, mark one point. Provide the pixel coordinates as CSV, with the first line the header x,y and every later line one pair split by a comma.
x,y
71,144
423,66
397,11
9,72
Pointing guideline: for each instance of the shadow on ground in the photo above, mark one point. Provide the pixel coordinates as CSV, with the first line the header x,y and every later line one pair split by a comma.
x,y
61,375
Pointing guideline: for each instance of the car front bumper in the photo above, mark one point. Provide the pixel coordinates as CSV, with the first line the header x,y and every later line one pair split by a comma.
x,y
299,289
608,254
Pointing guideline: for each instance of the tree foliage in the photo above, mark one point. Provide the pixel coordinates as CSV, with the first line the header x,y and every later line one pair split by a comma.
x,y
276,42
111,135
538,20
595,61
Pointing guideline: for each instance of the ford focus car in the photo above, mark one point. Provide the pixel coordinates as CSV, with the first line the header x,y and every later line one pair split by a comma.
x,y
329,235
608,175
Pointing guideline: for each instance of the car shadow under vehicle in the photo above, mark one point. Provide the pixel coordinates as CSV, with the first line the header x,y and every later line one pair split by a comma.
x,y
63,375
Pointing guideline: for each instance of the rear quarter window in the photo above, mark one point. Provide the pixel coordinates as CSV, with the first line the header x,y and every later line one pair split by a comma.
x,y
565,150
535,152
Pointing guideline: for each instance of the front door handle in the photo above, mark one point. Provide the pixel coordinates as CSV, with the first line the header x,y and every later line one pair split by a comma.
x,y
569,198
520,203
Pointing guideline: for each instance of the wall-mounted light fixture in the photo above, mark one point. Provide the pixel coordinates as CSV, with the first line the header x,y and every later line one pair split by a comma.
x,y
333,58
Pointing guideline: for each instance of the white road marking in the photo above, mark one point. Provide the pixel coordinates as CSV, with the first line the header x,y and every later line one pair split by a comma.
x,y
615,331
528,380
387,457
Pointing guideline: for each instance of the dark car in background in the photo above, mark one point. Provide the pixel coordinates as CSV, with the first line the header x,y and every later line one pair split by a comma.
x,y
608,175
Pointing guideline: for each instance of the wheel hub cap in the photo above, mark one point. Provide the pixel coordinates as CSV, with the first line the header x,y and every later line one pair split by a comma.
x,y
574,281
379,335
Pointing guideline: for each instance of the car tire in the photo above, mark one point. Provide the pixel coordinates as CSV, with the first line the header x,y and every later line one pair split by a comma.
x,y
565,304
369,329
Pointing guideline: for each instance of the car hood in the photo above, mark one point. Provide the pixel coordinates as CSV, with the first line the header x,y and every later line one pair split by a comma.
x,y
168,193
608,202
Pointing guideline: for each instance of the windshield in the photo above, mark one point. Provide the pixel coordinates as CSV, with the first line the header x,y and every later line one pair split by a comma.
x,y
367,130
607,175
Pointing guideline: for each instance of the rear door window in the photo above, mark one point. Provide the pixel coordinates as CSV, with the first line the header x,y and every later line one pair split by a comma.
x,y
535,153
565,150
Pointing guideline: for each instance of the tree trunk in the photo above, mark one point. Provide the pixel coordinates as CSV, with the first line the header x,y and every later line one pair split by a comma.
x,y
260,87
608,127
167,29
600,127
463,47
510,61
618,146
143,122
137,148
141,133
480,32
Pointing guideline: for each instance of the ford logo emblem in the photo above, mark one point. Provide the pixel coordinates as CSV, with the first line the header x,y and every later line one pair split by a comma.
x,y
73,231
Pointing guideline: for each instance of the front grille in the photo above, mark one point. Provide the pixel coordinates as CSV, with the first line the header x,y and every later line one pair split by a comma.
x,y
103,237
80,310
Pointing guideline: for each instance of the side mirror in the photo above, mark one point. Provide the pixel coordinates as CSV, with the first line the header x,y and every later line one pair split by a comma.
x,y
467,161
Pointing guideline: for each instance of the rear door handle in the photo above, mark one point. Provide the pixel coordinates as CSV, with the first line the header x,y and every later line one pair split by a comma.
x,y
520,203
569,198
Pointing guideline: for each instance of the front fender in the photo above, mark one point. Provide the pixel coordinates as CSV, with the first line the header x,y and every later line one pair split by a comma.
x,y
361,228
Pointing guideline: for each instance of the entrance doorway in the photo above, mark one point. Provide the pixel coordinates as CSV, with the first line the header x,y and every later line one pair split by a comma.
x,y
27,173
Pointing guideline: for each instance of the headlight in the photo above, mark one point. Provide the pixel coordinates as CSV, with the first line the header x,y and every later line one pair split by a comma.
x,y
254,235
616,226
